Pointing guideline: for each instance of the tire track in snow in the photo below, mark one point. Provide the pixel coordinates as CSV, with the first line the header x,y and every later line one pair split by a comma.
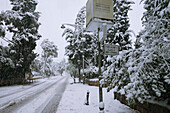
x,y
52,105
21,90
13,104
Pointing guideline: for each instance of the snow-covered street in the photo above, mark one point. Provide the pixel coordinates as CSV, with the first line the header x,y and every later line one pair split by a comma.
x,y
35,98
44,96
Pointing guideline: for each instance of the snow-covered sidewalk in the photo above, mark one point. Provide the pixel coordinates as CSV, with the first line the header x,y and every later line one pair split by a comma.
x,y
74,97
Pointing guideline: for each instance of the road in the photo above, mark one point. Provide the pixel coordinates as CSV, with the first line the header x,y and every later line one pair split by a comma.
x,y
39,98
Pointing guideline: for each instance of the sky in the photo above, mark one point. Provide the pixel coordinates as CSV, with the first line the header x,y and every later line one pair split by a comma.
x,y
56,12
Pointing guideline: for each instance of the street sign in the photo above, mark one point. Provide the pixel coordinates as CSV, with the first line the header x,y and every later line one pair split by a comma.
x,y
111,49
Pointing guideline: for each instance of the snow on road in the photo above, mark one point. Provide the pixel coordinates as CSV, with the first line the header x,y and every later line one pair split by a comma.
x,y
44,96
74,97
38,104
9,90
29,98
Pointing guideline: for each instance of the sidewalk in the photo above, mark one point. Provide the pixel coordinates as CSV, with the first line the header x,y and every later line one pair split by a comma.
x,y
74,97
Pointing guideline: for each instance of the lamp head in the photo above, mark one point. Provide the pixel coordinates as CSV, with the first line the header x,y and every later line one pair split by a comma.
x,y
62,26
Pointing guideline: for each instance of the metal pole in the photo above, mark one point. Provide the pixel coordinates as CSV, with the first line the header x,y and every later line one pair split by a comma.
x,y
79,70
99,72
83,64
83,71
79,74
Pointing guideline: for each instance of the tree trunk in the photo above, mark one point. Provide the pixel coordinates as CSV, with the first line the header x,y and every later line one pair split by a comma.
x,y
79,75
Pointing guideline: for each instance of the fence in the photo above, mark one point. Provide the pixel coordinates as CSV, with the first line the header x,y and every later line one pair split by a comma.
x,y
12,81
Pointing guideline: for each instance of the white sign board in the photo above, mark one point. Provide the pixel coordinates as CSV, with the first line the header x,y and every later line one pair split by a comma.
x,y
97,13
111,49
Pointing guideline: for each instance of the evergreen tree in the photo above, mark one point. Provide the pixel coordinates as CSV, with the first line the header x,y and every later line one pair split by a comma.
x,y
22,22
80,42
154,54
146,68
6,64
119,33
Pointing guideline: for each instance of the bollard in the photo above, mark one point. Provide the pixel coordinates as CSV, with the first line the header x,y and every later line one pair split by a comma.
x,y
87,98
101,107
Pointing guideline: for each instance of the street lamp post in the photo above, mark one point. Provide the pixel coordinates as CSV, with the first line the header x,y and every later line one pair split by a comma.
x,y
79,70
83,71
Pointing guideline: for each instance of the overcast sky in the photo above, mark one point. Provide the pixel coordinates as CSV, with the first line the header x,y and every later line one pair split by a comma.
x,y
56,12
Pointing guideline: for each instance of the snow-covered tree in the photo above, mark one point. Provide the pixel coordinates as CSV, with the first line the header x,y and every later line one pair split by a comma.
x,y
71,69
79,41
54,68
6,64
49,52
37,67
119,33
80,19
76,38
22,22
61,67
154,66
145,71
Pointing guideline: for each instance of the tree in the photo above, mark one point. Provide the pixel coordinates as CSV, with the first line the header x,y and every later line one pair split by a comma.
x,y
76,38
154,59
61,67
71,69
49,52
144,73
119,33
22,22
79,41
6,64
37,67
